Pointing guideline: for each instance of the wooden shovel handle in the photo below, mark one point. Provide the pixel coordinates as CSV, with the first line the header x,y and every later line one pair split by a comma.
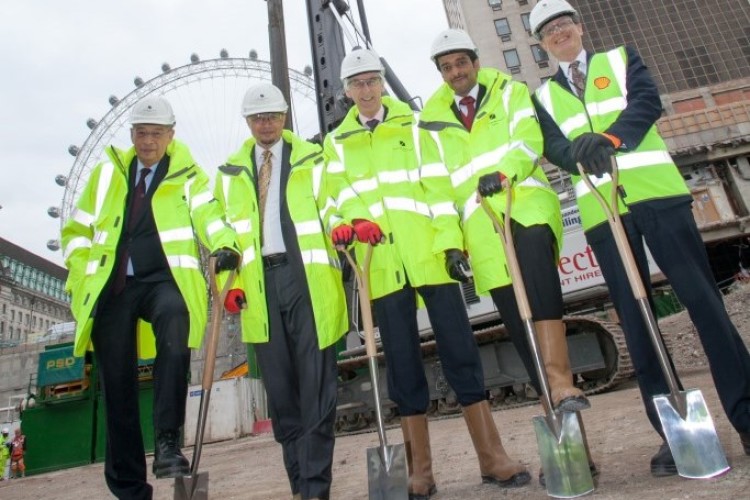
x,y
612,213
362,276
217,313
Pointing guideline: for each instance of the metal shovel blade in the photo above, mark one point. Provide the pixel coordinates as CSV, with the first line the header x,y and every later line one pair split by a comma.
x,y
695,447
386,475
563,456
191,487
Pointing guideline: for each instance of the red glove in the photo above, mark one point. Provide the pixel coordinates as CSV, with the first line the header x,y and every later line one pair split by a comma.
x,y
343,235
367,231
234,301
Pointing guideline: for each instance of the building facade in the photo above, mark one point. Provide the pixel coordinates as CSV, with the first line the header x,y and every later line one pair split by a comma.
x,y
32,295
698,52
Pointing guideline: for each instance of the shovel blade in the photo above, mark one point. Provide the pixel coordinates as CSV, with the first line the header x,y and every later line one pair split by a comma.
x,y
564,458
387,478
191,487
695,447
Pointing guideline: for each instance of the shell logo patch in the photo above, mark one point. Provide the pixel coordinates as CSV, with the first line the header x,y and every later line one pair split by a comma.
x,y
602,82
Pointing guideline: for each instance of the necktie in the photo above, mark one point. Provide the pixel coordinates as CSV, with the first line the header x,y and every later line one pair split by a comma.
x,y
264,180
468,117
578,78
371,124
134,212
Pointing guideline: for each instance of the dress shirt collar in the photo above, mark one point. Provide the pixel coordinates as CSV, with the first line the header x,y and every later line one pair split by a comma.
x,y
474,92
276,151
379,116
582,65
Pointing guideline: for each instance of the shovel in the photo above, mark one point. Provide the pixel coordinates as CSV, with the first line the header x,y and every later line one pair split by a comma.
x,y
560,438
686,421
195,485
386,465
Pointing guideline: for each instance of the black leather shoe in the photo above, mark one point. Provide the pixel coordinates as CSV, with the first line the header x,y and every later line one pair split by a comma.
x,y
168,459
592,468
745,438
662,464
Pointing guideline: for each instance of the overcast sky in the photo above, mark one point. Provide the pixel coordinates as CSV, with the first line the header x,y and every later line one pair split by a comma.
x,y
61,60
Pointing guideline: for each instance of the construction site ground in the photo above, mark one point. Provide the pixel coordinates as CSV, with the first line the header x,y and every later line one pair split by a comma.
x,y
620,438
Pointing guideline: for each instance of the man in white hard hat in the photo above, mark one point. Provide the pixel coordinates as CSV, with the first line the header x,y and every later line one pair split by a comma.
x,y
137,287
373,171
604,104
272,192
480,131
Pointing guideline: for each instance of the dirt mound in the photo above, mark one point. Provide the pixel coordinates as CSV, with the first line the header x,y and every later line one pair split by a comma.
x,y
681,337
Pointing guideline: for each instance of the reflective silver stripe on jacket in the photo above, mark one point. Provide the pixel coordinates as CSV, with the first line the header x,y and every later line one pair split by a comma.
x,y
627,161
177,234
74,244
184,261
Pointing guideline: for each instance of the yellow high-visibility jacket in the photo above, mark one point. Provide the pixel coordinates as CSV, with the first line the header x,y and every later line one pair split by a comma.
x,y
375,176
183,208
505,137
308,208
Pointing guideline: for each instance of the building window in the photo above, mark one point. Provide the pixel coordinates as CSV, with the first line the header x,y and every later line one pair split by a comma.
x,y
540,55
512,61
2,326
503,29
526,22
523,2
496,4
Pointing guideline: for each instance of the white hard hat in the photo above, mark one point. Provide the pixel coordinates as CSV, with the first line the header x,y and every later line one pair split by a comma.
x,y
451,40
361,61
6,430
547,10
153,111
263,98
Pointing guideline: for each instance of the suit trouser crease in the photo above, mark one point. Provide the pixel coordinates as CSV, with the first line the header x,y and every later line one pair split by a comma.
x,y
301,383
396,314
678,249
115,346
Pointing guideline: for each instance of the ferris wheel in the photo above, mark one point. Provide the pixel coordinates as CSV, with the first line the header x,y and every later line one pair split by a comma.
x,y
206,96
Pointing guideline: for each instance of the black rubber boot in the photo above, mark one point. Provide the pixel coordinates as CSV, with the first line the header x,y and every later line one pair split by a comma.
x,y
662,464
168,459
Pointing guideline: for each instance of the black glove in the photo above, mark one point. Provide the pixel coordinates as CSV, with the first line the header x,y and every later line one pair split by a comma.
x,y
593,151
457,265
490,184
226,259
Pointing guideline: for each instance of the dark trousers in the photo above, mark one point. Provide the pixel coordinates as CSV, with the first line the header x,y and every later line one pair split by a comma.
x,y
676,245
301,383
114,339
459,355
536,249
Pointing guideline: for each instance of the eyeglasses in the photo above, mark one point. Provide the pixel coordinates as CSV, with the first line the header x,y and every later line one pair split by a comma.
x,y
265,117
557,27
365,82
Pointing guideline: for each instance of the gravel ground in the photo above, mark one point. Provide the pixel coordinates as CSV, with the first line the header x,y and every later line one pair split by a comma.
x,y
620,438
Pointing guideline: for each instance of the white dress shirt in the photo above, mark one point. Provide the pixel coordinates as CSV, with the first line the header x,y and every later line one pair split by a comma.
x,y
273,241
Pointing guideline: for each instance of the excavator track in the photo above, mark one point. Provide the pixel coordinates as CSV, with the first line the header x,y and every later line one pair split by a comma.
x,y
599,359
